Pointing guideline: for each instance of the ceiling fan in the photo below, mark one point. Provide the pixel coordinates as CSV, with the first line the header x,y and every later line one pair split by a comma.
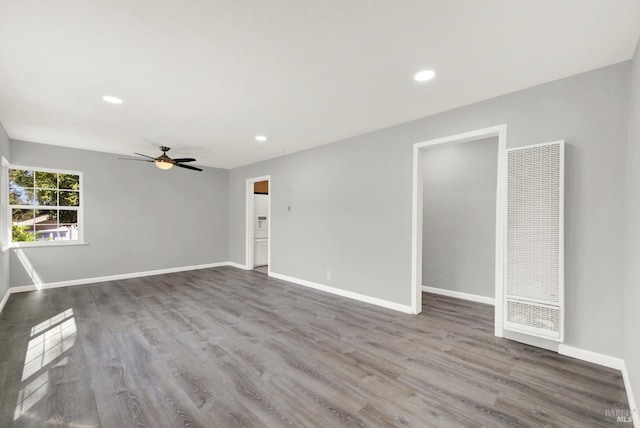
x,y
165,162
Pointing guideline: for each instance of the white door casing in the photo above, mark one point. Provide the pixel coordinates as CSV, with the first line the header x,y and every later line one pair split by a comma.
x,y
499,131
250,226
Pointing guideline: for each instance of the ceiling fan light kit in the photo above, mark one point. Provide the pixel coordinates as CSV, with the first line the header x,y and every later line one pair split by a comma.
x,y
165,162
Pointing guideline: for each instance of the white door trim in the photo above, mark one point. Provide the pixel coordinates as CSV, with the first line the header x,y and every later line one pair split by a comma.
x,y
499,131
249,222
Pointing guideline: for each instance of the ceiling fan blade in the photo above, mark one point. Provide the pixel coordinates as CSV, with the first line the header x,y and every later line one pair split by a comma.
x,y
184,160
140,154
139,160
188,167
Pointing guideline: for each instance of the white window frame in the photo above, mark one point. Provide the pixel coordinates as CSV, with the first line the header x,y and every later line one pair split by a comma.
x,y
7,235
4,203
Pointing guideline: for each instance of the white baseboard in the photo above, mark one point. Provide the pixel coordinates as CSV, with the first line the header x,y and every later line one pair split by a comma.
x,y
630,397
238,265
460,295
73,282
570,351
590,356
607,361
333,290
4,299
344,293
24,288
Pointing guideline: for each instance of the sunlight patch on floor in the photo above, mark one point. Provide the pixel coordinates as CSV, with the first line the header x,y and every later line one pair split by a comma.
x,y
50,339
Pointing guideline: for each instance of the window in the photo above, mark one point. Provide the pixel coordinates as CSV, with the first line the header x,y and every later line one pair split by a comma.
x,y
45,206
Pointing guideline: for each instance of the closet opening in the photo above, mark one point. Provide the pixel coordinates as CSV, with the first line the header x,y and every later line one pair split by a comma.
x,y
457,222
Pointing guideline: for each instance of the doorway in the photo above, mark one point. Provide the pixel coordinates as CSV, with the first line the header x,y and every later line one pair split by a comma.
x,y
258,225
417,214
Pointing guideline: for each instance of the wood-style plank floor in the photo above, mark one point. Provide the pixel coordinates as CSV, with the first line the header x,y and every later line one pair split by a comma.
x,y
224,348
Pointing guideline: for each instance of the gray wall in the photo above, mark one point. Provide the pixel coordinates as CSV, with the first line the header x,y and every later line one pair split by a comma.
x,y
459,216
632,248
341,219
351,200
127,206
4,256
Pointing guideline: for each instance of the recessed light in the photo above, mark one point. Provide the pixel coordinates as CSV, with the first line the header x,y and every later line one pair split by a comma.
x,y
261,138
424,75
112,100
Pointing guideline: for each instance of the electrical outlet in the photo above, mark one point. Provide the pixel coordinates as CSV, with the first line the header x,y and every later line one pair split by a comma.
x,y
328,274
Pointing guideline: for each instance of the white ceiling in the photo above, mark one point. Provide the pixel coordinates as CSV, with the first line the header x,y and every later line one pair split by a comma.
x,y
204,77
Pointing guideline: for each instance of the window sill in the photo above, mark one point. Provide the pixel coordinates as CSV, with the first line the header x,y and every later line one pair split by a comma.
x,y
20,246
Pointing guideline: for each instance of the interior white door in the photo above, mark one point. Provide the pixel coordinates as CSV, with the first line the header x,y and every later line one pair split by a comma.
x,y
534,259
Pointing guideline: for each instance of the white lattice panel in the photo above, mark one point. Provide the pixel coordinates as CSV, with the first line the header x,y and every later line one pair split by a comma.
x,y
536,318
534,240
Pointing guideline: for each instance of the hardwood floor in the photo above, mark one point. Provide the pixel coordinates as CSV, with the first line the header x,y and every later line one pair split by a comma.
x,y
261,269
224,348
